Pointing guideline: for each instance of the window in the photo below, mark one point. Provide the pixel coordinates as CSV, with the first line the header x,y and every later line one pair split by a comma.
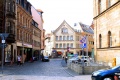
x,y
67,44
10,27
18,34
67,37
64,45
109,39
56,38
13,7
25,6
99,6
71,45
60,38
100,41
36,25
56,45
109,3
71,37
22,19
60,46
8,6
64,30
63,37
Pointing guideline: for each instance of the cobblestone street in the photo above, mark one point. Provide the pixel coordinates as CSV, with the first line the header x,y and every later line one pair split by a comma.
x,y
41,71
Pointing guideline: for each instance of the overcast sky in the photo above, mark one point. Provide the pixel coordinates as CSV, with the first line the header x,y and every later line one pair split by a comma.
x,y
56,11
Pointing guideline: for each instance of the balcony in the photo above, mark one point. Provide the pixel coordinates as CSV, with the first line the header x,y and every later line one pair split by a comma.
x,y
10,15
11,38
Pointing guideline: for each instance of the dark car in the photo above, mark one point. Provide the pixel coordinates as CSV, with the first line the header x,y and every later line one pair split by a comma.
x,y
105,74
117,76
45,59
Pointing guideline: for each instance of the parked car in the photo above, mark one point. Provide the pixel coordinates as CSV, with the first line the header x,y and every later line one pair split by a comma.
x,y
45,59
73,59
105,74
85,58
117,76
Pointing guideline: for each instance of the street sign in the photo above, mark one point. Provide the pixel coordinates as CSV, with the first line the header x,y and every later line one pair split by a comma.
x,y
3,41
83,40
83,45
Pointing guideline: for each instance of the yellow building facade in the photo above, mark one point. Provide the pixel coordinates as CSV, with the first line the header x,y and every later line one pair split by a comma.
x,y
66,37
106,30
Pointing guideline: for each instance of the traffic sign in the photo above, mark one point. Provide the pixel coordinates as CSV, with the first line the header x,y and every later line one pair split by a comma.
x,y
83,45
3,41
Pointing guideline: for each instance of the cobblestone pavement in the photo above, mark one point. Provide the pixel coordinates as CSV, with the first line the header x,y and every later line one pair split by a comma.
x,y
38,70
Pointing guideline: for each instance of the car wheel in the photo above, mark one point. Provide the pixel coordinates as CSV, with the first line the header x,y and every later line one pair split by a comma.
x,y
108,78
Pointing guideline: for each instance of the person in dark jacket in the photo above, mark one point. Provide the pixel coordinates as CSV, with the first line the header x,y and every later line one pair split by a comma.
x,y
66,59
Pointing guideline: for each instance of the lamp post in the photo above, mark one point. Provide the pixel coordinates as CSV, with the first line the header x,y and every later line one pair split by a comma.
x,y
23,44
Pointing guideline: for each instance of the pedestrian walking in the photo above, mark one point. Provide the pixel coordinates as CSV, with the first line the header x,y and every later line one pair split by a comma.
x,y
19,60
66,59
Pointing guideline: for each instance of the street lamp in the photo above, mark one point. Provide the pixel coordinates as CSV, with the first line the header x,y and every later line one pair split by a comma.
x,y
23,44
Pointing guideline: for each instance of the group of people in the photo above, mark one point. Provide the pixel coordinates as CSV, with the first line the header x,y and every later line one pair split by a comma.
x,y
19,60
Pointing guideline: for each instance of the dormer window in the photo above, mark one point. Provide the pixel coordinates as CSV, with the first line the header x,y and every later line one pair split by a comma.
x,y
64,30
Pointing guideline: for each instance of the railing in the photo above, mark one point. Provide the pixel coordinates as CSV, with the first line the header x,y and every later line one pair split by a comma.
x,y
90,63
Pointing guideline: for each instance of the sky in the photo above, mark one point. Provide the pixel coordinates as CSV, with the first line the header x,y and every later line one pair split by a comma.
x,y
56,11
